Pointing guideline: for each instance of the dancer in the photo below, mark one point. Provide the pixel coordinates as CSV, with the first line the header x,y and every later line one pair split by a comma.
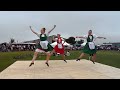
x,y
43,46
59,48
90,47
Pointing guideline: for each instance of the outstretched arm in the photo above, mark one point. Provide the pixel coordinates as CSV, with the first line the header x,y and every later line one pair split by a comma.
x,y
54,39
63,40
52,29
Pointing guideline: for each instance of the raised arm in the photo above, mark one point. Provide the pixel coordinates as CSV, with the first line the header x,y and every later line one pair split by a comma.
x,y
33,30
52,29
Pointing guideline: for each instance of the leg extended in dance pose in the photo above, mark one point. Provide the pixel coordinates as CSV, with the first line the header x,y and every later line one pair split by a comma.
x,y
34,58
63,56
43,45
90,47
81,56
36,54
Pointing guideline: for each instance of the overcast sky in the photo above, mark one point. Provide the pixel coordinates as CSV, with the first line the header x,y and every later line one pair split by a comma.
x,y
15,24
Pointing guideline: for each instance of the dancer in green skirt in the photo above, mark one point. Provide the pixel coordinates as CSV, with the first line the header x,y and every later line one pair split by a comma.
x,y
43,46
90,47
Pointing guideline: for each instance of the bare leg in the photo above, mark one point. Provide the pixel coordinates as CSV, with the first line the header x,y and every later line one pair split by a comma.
x,y
34,58
94,58
52,52
63,57
47,58
83,54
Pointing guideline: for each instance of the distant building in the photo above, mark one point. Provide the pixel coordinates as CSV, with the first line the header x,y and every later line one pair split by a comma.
x,y
115,44
32,41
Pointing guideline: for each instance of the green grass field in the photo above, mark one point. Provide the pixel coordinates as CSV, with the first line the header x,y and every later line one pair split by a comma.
x,y
111,58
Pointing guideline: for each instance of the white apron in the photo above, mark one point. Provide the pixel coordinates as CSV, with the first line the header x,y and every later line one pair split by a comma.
x,y
91,45
44,44
60,46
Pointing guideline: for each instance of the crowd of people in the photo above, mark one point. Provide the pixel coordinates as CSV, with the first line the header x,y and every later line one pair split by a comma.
x,y
108,47
5,47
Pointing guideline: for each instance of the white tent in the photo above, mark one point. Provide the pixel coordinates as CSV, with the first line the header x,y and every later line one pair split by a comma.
x,y
83,44
24,43
65,44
